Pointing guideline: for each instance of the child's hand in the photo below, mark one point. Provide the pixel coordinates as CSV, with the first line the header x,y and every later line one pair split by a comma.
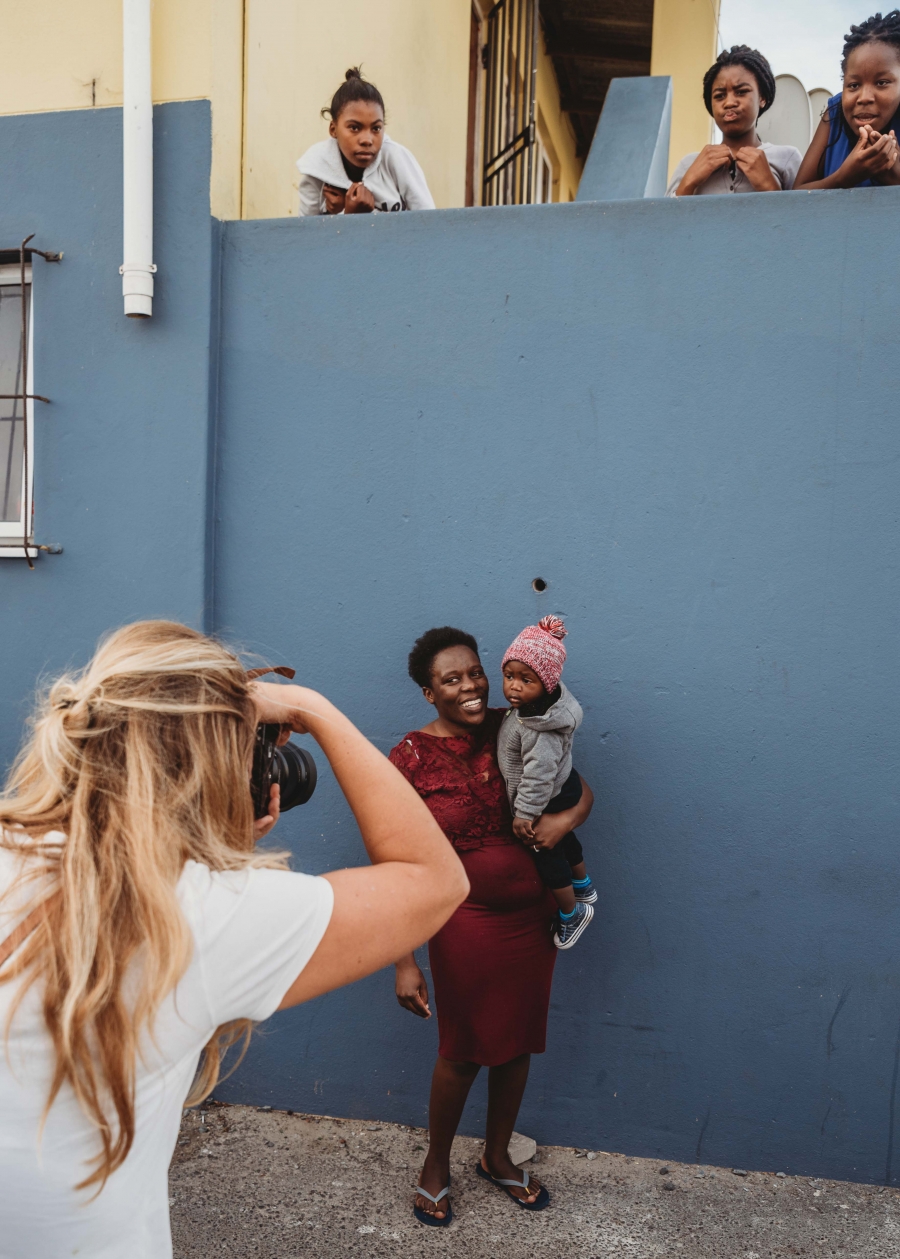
x,y
358,200
875,154
334,199
755,165
712,157
523,828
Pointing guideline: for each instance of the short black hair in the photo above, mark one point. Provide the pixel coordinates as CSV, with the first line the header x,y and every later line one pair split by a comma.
x,y
354,88
750,59
427,647
885,30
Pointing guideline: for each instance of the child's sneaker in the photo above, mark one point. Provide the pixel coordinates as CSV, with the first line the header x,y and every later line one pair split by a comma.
x,y
586,893
569,930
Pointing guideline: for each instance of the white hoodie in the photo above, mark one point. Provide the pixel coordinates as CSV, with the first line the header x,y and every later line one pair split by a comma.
x,y
395,179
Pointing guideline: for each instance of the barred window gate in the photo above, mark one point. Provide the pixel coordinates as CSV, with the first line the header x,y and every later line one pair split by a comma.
x,y
510,58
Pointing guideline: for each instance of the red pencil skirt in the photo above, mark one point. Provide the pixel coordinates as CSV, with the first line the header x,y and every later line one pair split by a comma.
x,y
492,962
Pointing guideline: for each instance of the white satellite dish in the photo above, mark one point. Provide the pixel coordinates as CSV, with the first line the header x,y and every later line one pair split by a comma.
x,y
790,119
818,100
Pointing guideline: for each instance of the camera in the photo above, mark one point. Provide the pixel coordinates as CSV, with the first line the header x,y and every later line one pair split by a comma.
x,y
289,767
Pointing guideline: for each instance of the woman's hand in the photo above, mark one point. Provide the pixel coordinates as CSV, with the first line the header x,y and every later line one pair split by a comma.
x,y
291,707
710,159
551,827
358,200
262,825
411,988
334,199
755,165
548,831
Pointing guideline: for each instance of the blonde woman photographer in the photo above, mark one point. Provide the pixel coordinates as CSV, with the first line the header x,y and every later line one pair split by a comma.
x,y
142,931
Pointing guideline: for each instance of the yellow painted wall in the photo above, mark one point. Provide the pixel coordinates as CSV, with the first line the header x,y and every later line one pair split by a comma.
x,y
416,51
556,129
685,42
268,67
67,54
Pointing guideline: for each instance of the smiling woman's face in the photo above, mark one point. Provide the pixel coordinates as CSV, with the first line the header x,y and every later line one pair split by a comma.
x,y
459,687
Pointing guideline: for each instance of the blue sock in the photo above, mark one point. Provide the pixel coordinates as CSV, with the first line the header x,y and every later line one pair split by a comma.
x,y
581,882
567,917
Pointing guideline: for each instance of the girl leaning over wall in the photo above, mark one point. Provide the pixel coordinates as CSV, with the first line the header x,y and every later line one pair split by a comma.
x,y
737,89
359,168
855,144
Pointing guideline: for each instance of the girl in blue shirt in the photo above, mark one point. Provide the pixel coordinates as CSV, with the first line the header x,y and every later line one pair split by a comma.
x,y
855,144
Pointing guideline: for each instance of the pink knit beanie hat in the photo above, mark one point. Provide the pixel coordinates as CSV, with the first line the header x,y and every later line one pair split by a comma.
x,y
540,647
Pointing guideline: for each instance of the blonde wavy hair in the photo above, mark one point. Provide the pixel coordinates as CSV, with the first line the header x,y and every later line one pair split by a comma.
x,y
134,766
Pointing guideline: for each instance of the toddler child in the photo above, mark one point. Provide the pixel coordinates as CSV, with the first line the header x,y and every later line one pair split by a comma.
x,y
534,752
359,168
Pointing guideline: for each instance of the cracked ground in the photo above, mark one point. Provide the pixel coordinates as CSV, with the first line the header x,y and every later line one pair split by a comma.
x,y
277,1185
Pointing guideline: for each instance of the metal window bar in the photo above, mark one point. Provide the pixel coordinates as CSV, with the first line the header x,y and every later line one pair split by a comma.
x,y
22,395
510,58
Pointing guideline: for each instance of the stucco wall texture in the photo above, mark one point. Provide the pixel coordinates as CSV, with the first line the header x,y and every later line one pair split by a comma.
x,y
682,417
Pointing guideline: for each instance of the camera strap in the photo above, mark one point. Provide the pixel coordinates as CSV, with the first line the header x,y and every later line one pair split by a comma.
x,y
283,670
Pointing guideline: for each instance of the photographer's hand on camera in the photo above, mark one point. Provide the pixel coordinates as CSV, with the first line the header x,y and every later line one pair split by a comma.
x,y
386,910
291,707
262,825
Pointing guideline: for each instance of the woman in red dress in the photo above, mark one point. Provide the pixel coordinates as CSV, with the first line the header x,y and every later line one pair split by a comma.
x,y
492,963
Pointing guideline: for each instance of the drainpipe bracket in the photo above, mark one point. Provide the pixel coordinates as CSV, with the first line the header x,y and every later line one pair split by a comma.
x,y
137,288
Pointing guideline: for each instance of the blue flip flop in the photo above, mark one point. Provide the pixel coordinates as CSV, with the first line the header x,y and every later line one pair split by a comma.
x,y
424,1218
541,1201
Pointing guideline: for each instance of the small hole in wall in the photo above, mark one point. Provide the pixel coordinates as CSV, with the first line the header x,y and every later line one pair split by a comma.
x,y
538,584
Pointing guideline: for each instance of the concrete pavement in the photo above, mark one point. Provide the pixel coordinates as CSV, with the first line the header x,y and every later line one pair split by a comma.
x,y
275,1185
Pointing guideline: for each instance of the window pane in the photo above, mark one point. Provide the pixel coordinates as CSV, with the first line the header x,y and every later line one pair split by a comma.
x,y
12,426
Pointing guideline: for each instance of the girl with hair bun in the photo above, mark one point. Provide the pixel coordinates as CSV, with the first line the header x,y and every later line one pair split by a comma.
x,y
855,144
359,168
737,88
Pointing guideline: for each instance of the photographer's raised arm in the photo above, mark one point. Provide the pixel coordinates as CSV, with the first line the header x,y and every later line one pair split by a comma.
x,y
415,881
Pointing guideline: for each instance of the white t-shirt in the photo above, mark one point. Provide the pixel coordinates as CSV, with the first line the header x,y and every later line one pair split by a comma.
x,y
254,931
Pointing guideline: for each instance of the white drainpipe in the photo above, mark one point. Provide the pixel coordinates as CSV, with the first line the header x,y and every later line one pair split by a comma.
x,y
137,160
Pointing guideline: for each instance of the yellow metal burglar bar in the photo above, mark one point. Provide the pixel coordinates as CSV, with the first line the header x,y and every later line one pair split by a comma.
x,y
510,58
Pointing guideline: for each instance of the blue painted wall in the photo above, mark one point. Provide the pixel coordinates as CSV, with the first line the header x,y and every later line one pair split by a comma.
x,y
121,462
683,417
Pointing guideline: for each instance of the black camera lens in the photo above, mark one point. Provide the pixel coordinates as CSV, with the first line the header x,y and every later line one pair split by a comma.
x,y
289,767
294,770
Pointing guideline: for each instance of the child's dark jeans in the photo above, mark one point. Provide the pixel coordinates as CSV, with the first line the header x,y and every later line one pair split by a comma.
x,y
555,864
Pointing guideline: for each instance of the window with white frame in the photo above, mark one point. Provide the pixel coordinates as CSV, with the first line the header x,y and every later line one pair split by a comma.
x,y
16,414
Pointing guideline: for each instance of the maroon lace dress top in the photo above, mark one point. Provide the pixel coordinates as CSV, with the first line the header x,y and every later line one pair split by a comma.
x,y
492,963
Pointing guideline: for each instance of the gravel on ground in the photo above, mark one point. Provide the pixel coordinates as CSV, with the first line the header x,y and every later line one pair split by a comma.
x,y
280,1185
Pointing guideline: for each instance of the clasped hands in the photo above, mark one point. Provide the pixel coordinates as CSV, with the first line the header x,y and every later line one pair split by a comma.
x,y
874,153
752,161
357,199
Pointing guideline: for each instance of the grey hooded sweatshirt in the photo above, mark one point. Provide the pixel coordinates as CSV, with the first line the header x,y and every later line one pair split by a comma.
x,y
535,754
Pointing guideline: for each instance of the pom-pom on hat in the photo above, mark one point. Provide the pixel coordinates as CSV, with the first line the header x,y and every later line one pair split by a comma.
x,y
540,647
